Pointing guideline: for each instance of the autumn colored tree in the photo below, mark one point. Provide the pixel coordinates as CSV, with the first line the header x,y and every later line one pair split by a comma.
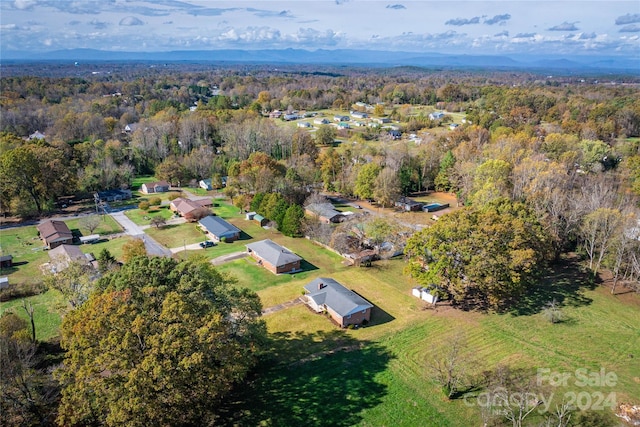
x,y
160,342
488,255
133,248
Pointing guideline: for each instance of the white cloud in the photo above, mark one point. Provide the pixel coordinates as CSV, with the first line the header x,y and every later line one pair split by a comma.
x,y
24,4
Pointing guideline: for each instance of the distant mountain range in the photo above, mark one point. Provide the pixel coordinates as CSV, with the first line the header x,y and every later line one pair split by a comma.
x,y
584,64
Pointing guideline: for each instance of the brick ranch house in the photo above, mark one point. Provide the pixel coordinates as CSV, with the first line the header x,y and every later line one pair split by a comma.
x,y
55,233
187,208
275,258
343,305
217,229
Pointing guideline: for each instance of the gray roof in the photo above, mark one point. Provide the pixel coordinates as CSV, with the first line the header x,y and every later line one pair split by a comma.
x,y
273,253
218,226
329,292
325,210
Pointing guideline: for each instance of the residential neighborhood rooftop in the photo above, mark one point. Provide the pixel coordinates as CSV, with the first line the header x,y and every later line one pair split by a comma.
x,y
273,253
327,291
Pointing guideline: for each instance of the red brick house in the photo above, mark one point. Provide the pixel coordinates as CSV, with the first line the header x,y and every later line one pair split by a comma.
x,y
275,258
55,233
343,305
186,207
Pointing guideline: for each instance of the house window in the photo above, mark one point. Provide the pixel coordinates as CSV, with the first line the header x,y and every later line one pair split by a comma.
x,y
364,311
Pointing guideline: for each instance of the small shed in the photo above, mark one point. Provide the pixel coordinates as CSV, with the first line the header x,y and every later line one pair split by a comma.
x,y
6,261
424,294
4,282
260,220
249,216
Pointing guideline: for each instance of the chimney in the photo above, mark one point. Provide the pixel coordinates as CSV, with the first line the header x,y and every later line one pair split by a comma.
x,y
321,285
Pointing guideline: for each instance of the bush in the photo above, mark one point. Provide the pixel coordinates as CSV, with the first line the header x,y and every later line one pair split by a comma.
x,y
223,240
155,201
553,313
144,206
173,196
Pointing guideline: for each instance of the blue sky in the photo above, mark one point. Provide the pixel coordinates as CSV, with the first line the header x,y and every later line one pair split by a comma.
x,y
472,27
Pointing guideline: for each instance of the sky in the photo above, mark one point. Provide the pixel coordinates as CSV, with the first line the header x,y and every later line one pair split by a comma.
x,y
563,27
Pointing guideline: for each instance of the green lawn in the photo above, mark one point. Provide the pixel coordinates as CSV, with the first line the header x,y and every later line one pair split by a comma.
x,y
141,217
173,236
27,250
47,308
391,355
107,226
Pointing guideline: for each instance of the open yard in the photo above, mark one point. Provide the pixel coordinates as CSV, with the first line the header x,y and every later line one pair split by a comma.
x,y
47,308
173,236
26,248
106,225
317,374
391,356
141,217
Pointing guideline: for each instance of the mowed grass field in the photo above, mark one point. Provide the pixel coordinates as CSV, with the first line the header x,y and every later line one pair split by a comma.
x,y
381,373
317,374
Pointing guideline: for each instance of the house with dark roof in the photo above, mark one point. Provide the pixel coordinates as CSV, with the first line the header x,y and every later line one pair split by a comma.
x,y
343,305
325,212
218,229
187,208
155,187
114,195
275,258
55,233
408,204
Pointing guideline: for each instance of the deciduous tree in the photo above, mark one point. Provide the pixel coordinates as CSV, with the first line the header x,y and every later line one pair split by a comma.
x,y
160,343
489,255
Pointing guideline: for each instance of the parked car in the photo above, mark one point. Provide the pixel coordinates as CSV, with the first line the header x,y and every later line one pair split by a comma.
x,y
207,244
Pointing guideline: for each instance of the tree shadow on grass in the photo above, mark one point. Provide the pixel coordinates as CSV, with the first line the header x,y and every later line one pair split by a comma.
x,y
316,379
565,282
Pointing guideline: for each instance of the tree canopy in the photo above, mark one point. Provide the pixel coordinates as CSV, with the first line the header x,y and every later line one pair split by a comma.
x,y
486,255
159,343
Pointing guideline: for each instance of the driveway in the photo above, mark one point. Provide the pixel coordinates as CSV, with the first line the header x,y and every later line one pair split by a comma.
x,y
229,257
133,230
276,308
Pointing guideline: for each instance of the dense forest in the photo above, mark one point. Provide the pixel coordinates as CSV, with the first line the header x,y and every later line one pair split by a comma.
x,y
541,165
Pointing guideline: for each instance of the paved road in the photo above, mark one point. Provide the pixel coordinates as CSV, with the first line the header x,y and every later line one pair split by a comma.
x,y
133,230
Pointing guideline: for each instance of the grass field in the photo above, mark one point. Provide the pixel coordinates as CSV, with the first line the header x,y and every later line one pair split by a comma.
x,y
27,250
173,236
141,217
317,374
391,356
47,308
107,226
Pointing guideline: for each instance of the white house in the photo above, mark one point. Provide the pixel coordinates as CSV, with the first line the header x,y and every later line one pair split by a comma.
x,y
436,115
